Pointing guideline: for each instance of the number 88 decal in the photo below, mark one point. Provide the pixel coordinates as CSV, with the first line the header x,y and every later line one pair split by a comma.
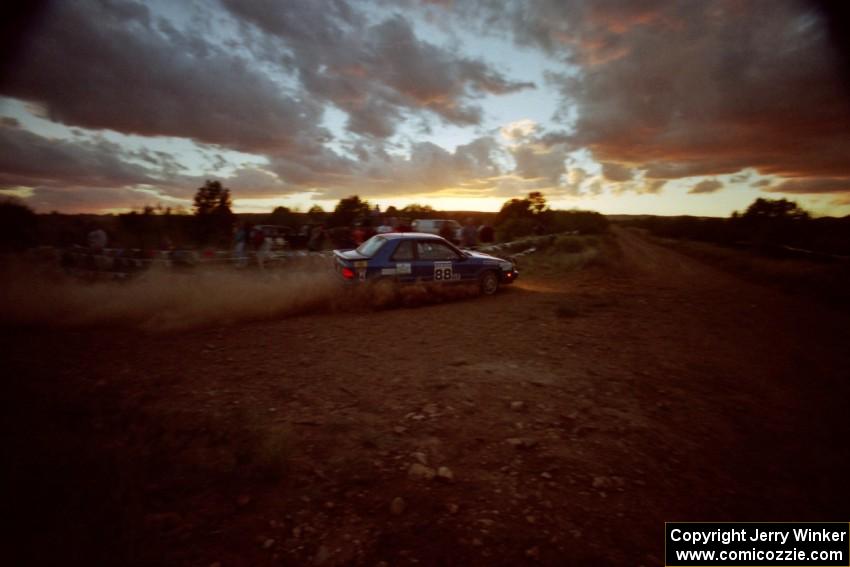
x,y
442,271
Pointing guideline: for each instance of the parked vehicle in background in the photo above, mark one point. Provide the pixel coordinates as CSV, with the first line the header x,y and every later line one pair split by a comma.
x,y
449,229
415,257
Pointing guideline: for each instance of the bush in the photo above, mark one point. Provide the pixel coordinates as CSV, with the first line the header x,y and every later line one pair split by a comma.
x,y
569,244
583,222
17,226
515,228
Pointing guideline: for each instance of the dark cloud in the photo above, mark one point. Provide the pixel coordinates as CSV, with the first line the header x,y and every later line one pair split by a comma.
x,y
70,174
427,168
820,185
252,182
742,177
705,88
534,161
260,86
651,186
30,160
88,199
540,159
110,65
706,186
616,172
375,73
655,90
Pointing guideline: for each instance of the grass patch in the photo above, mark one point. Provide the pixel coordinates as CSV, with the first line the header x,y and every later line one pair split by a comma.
x,y
824,281
567,253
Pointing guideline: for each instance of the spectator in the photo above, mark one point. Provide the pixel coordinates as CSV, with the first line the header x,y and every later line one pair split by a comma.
x,y
485,234
358,235
97,239
368,230
448,232
317,238
240,237
263,244
469,234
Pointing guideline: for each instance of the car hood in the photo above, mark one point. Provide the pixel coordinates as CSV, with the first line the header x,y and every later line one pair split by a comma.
x,y
483,256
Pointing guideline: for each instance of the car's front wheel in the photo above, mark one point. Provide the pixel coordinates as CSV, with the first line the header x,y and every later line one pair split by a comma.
x,y
489,283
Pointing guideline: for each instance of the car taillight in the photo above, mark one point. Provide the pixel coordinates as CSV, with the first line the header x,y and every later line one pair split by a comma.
x,y
348,273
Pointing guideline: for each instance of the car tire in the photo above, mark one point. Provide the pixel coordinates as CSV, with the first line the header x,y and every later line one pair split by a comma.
x,y
489,282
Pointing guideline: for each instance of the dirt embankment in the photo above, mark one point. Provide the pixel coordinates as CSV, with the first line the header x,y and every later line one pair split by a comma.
x,y
564,420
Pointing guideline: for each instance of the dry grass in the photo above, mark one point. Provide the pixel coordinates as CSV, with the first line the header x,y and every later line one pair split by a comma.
x,y
568,253
822,280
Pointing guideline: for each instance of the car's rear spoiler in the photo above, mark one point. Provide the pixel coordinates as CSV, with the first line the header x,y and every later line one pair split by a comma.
x,y
349,255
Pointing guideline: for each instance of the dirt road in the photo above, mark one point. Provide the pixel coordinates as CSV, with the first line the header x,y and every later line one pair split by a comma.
x,y
573,417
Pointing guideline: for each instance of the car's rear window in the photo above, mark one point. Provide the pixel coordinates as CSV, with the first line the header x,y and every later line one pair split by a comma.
x,y
371,246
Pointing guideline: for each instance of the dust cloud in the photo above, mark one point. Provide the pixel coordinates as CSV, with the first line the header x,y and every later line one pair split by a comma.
x,y
40,295
165,300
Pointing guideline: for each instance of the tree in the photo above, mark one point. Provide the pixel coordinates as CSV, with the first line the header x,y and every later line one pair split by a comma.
x,y
775,209
153,226
537,202
214,219
18,225
514,209
417,210
349,210
212,198
316,214
282,216
534,206
768,223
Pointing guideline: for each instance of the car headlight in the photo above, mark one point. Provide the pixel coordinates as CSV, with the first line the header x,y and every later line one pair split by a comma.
x,y
506,266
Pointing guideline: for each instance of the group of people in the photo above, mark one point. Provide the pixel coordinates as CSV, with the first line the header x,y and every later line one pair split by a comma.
x,y
344,237
246,239
249,239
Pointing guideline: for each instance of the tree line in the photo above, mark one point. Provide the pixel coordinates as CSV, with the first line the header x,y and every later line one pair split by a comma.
x,y
768,226
211,221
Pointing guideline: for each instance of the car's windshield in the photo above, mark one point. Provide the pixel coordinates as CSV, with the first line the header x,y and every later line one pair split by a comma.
x,y
371,246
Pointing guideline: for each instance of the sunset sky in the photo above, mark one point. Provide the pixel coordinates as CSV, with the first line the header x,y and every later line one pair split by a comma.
x,y
659,107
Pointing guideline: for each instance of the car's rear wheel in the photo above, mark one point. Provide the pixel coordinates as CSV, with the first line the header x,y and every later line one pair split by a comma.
x,y
489,283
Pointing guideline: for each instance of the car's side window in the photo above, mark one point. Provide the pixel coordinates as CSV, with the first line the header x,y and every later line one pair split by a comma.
x,y
434,250
403,252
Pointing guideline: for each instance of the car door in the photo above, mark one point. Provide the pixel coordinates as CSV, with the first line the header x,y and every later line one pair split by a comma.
x,y
402,260
436,262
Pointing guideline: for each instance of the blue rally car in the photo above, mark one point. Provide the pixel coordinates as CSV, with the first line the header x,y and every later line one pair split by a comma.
x,y
412,257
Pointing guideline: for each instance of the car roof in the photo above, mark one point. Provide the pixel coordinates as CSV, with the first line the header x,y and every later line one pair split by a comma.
x,y
406,235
